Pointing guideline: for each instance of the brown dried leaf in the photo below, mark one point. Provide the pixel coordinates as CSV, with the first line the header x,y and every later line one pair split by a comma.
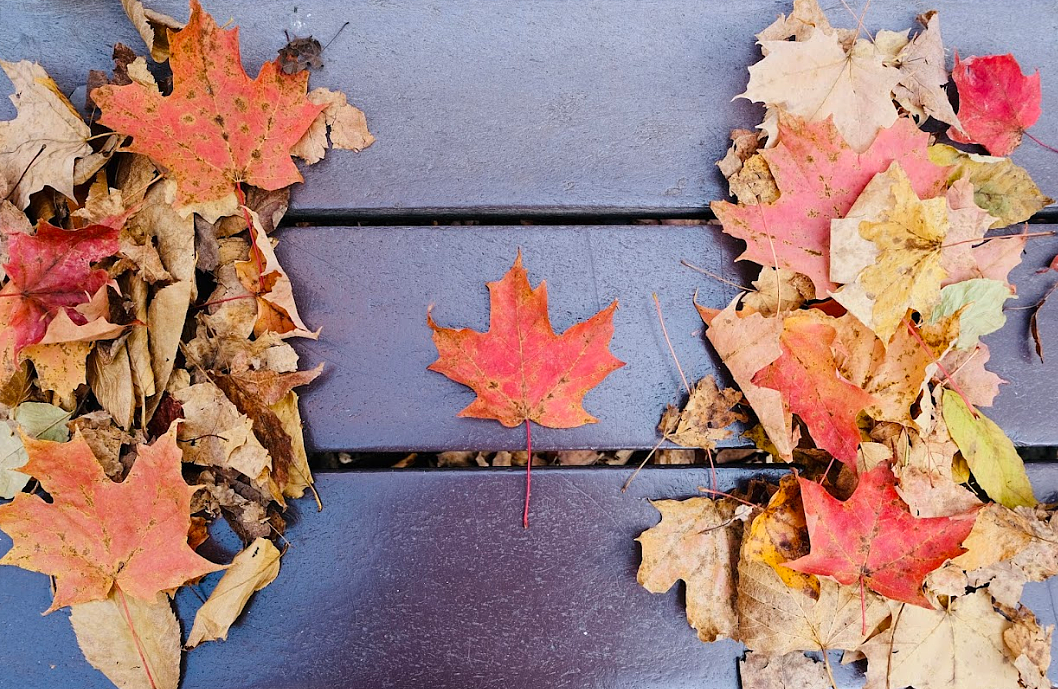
x,y
153,28
791,671
254,568
1029,645
704,418
215,433
697,541
347,124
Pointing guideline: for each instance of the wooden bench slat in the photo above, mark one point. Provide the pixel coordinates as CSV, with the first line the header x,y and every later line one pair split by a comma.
x,y
427,579
369,288
530,107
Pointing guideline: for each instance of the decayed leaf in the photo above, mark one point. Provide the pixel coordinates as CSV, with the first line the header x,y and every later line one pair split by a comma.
x,y
791,671
153,28
254,568
209,145
106,440
922,74
704,419
979,305
97,534
697,540
807,377
135,643
997,103
747,344
817,78
38,148
346,124
215,433
887,253
820,177
960,647
550,374
263,277
1002,188
1030,646
776,619
871,540
779,534
51,275
748,176
991,456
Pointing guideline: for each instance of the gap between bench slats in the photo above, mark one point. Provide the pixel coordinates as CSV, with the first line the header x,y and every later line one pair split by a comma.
x,y
414,579
528,108
369,288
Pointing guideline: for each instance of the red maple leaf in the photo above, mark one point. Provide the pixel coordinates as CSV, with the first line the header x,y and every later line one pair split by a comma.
x,y
819,177
97,534
997,103
872,538
520,369
219,127
807,376
50,272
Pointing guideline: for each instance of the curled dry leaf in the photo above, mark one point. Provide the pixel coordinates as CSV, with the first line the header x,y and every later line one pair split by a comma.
x,y
254,568
134,642
697,540
1027,539
923,75
215,433
153,27
38,148
345,123
779,290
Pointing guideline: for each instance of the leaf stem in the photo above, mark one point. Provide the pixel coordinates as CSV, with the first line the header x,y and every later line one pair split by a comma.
x,y
672,351
1002,236
136,637
641,465
1049,148
528,472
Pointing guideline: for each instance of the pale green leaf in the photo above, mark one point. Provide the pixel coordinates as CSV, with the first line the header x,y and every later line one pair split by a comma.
x,y
988,451
36,419
983,299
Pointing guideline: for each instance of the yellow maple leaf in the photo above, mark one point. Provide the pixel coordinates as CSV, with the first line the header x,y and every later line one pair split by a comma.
x,y
887,251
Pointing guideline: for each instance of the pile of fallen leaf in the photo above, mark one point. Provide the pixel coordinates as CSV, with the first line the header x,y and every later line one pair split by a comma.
x,y
146,382
907,534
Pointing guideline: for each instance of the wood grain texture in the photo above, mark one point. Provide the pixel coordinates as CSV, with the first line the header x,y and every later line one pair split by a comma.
x,y
523,108
413,579
369,288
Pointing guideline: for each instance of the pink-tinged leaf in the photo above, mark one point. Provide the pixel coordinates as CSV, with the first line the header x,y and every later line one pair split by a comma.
x,y
872,538
819,178
997,103
97,534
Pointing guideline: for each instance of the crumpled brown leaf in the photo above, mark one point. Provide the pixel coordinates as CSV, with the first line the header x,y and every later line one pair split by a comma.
x,y
347,125
1029,645
215,433
153,28
704,418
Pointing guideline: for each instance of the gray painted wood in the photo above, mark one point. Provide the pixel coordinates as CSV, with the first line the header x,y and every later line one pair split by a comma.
x,y
413,579
369,288
522,108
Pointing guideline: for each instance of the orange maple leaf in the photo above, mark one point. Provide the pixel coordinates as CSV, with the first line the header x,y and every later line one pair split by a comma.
x,y
96,534
807,376
219,127
520,369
